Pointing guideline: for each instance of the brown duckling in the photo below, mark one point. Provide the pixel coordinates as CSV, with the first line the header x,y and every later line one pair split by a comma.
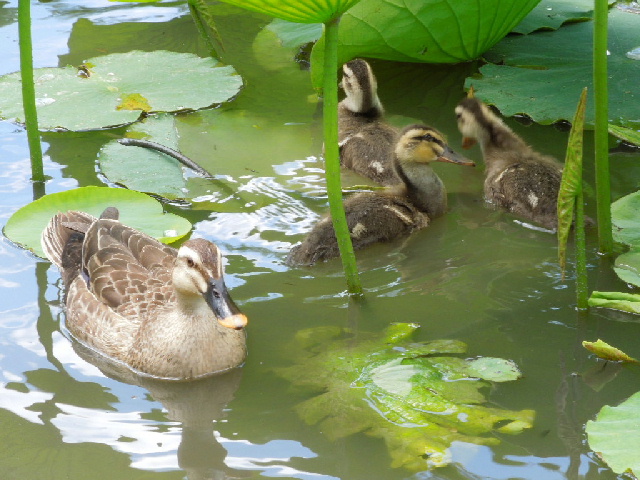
x,y
366,141
385,215
160,311
517,178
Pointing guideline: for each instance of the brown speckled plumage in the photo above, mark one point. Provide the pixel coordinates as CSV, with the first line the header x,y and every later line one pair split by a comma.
x,y
144,303
366,140
383,216
517,178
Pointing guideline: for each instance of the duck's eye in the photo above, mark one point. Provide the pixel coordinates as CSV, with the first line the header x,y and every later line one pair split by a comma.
x,y
459,116
190,262
429,138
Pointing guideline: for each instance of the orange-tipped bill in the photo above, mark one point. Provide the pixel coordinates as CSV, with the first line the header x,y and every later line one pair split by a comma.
x,y
450,156
468,142
226,312
236,322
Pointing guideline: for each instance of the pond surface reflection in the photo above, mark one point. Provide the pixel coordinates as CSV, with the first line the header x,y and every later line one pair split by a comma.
x,y
475,275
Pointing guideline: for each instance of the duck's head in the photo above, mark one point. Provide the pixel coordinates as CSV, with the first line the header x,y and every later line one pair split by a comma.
x,y
198,275
361,88
422,144
475,121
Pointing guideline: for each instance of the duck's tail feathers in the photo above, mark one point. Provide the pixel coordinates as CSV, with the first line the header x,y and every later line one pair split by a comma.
x,y
59,231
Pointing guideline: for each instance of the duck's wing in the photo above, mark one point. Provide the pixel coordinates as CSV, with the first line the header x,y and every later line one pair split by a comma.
x,y
58,232
127,270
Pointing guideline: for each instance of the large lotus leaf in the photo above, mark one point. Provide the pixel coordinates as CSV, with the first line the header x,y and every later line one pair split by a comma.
x,y
435,31
301,11
552,14
143,169
136,210
115,89
409,394
614,436
542,74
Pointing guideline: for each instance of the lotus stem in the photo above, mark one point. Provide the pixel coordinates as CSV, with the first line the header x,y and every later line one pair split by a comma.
x,y
582,282
332,156
29,91
601,135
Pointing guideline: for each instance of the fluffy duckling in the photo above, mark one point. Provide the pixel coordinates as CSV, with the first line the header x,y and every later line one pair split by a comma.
x,y
385,215
366,141
517,178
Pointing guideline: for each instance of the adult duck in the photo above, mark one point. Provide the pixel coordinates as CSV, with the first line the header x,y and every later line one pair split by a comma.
x,y
385,215
163,312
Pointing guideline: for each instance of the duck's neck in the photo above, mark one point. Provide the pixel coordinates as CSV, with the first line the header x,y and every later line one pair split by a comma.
x,y
493,135
423,187
363,103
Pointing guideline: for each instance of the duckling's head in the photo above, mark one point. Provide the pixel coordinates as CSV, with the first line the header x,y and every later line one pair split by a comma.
x,y
422,144
198,276
476,121
361,88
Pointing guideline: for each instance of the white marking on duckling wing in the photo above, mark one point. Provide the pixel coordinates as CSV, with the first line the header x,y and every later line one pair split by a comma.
x,y
377,166
401,215
533,199
358,230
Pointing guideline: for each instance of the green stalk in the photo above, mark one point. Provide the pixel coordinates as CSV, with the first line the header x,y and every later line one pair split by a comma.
x,y
582,287
332,156
29,91
601,135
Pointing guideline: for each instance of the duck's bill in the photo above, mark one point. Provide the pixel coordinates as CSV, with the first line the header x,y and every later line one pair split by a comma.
x,y
224,308
468,142
452,157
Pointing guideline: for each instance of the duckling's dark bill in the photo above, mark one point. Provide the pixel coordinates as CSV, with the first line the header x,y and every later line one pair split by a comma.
x,y
452,157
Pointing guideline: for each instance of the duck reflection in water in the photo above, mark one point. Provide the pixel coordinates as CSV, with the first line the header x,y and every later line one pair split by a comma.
x,y
196,405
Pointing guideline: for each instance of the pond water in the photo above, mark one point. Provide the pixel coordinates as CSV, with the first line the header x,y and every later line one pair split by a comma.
x,y
475,275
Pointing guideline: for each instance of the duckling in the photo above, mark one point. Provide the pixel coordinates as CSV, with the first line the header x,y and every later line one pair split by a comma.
x,y
163,312
385,215
366,141
517,178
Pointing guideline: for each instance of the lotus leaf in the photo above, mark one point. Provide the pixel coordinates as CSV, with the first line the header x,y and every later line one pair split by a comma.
x,y
136,210
418,397
614,436
115,89
542,74
143,169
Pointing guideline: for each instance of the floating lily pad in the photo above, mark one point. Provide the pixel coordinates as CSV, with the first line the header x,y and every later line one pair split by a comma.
x,y
541,75
136,210
418,397
143,169
115,89
624,216
552,14
627,267
614,436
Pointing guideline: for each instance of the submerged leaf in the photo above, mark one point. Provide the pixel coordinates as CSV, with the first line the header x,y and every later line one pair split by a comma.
x,y
552,14
571,183
607,352
417,402
136,210
614,436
